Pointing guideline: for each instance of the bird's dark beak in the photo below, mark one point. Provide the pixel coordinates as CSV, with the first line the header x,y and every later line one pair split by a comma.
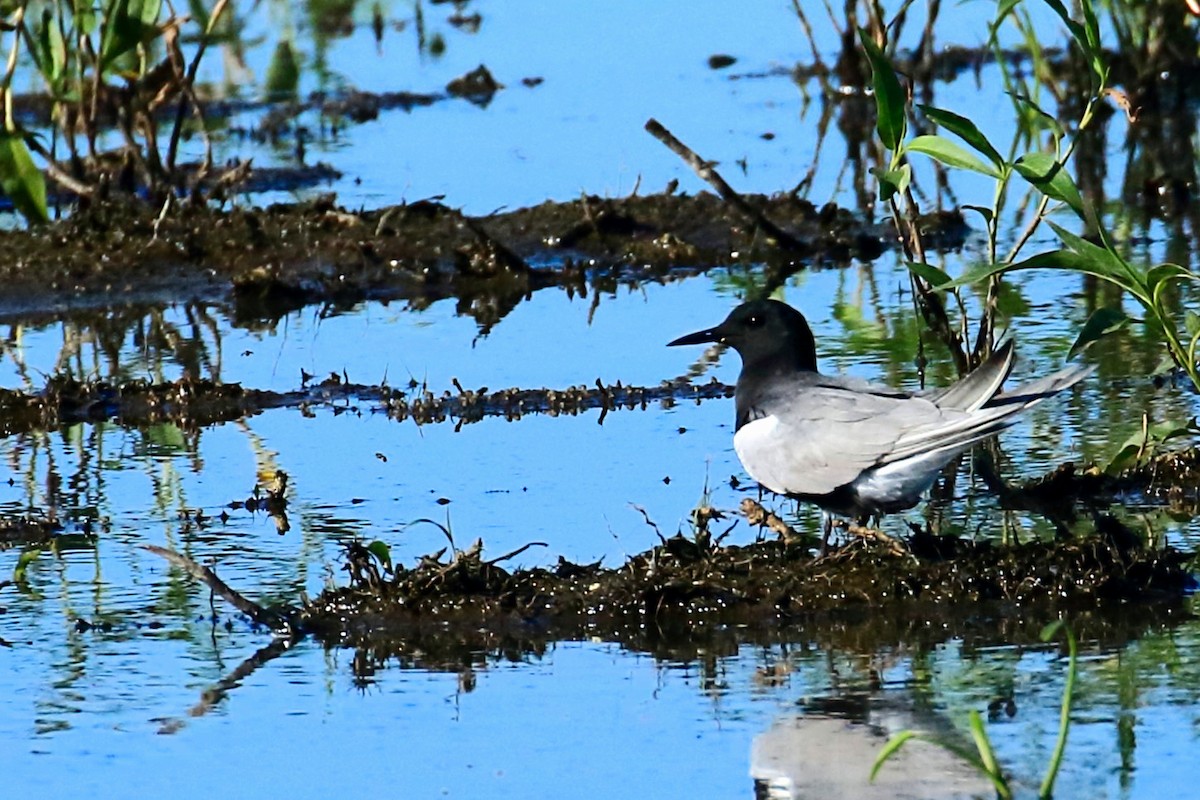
x,y
700,337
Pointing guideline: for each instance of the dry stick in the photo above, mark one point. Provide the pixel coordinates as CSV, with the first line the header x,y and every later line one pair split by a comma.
x,y
10,68
262,616
56,172
704,169
515,553
97,68
190,96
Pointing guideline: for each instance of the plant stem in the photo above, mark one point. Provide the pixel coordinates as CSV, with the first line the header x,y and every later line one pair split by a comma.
x,y
1064,722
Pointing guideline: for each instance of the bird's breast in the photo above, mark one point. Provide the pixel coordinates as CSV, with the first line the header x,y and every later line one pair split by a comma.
x,y
758,446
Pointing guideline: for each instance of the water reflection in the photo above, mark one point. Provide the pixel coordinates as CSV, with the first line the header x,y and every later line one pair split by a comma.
x,y
829,750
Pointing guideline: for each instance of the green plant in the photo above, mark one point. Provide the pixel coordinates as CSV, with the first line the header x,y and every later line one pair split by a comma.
x,y
1148,441
1044,168
120,64
983,759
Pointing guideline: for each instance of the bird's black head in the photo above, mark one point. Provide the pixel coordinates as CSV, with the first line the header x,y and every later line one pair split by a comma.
x,y
769,335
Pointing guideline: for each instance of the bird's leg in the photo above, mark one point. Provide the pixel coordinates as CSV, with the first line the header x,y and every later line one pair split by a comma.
x,y
827,527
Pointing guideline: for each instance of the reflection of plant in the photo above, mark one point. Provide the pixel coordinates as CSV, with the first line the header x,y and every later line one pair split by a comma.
x,y
1045,170
101,66
984,757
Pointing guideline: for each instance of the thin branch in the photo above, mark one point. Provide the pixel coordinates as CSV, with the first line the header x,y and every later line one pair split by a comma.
x,y
706,172
515,553
189,94
57,173
261,615
10,67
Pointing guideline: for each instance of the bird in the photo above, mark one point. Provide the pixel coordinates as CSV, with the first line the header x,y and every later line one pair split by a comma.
x,y
855,448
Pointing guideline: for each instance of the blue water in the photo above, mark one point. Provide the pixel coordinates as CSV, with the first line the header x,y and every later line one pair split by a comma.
x,y
113,713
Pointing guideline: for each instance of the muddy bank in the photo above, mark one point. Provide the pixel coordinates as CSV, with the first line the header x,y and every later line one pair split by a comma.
x,y
690,581
686,579
266,262
687,601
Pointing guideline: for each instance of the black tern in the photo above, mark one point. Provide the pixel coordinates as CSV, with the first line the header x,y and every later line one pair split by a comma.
x,y
855,448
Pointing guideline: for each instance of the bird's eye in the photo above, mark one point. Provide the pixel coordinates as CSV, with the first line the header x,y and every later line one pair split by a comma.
x,y
755,321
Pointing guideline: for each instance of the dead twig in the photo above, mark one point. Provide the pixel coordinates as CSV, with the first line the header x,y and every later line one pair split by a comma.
x,y
705,170
757,515
894,546
263,616
515,553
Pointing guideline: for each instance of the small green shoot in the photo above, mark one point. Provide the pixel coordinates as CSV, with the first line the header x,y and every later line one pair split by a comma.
x,y
983,758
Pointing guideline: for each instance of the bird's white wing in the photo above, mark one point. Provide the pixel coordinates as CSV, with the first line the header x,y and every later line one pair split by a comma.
x,y
824,436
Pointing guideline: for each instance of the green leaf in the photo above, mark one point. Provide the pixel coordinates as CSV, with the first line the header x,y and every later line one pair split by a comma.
x,y
1004,9
950,154
1124,457
1050,178
1087,35
20,179
890,749
1036,117
890,98
283,73
964,129
1054,259
982,211
1064,717
987,756
1103,262
1074,27
1147,441
1050,630
1191,323
50,52
892,181
381,551
84,15
127,24
929,273
1160,276
1102,322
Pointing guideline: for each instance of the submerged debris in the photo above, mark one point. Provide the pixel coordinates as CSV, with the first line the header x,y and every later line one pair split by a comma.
x,y
192,403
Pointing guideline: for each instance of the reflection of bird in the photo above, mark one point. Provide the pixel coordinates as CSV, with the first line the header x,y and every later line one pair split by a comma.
x,y
852,447
828,751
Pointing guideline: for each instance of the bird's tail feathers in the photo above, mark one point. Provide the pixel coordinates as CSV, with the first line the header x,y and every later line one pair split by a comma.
x,y
1036,391
995,415
977,388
